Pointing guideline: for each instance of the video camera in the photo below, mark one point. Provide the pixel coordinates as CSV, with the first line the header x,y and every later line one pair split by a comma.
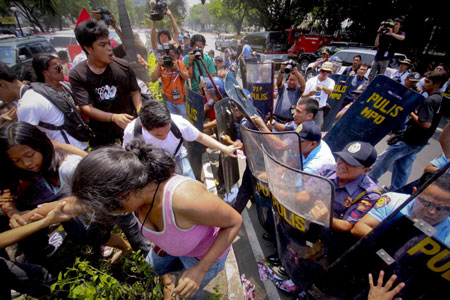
x,y
290,65
106,15
159,10
386,25
198,53
167,59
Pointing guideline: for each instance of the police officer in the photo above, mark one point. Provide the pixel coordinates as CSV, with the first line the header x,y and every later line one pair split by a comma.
x,y
355,192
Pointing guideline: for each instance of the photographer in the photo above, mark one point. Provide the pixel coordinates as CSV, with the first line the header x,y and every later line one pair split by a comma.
x,y
163,36
173,73
193,61
388,39
290,91
102,14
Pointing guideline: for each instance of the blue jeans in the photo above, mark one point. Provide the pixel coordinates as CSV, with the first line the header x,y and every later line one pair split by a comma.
x,y
402,156
176,108
184,166
168,264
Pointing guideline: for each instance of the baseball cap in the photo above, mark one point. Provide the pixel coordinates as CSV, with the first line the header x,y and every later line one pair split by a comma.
x,y
358,154
406,61
413,76
310,131
327,66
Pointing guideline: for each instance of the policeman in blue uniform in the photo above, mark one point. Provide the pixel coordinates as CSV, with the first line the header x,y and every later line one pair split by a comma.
x,y
355,192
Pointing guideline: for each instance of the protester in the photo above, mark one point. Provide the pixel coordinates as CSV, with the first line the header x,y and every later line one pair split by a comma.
x,y
104,87
439,67
305,111
191,228
163,36
420,128
431,206
211,98
64,59
288,92
173,74
380,292
159,128
218,62
353,69
388,40
320,86
7,113
194,64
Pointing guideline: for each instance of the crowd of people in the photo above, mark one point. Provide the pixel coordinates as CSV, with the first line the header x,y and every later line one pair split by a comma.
x,y
86,144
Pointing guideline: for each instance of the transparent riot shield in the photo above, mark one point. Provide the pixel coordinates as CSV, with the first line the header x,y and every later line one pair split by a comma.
x,y
286,146
225,127
303,214
259,83
383,106
239,98
412,242
195,115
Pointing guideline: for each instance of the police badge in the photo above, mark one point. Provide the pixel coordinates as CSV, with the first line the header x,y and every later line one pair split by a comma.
x,y
348,201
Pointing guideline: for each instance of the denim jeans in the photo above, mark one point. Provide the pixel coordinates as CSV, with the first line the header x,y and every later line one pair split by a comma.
x,y
402,156
168,264
176,108
378,68
184,166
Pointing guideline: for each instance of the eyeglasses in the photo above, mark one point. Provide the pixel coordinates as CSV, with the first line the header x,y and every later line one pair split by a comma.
x,y
428,204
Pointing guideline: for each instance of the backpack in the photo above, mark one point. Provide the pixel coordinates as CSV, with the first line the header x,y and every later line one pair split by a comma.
x,y
173,128
73,121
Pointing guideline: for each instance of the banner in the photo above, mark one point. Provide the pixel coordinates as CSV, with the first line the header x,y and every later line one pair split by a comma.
x,y
196,115
384,105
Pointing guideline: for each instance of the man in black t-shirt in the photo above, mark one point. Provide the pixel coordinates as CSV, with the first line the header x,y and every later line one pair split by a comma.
x,y
387,41
103,86
420,128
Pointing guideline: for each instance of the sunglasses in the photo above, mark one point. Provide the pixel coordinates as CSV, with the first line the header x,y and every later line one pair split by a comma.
x,y
428,204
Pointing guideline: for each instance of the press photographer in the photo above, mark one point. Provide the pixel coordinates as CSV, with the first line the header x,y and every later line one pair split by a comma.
x,y
173,73
193,60
388,41
106,16
159,9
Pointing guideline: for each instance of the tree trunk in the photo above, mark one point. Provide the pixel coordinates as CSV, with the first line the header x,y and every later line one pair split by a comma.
x,y
128,42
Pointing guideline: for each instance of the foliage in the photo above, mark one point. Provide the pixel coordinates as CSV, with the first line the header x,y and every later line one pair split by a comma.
x,y
217,295
92,278
154,86
33,10
226,12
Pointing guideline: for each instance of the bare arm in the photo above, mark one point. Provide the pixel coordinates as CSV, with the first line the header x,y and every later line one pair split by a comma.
x,y
69,148
415,118
184,75
364,226
155,74
120,120
136,98
280,76
196,205
341,225
444,140
301,79
153,36
176,31
212,143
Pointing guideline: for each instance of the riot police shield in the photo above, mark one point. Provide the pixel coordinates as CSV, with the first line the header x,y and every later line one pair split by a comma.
x,y
195,115
303,213
384,105
286,147
336,98
225,127
259,83
412,243
239,97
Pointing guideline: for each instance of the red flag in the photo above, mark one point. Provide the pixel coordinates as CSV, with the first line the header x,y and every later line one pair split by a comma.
x,y
84,15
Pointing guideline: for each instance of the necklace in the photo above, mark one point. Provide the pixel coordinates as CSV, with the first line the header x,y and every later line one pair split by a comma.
x,y
151,206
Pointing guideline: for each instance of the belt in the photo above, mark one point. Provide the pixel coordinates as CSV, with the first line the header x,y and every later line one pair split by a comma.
x,y
158,251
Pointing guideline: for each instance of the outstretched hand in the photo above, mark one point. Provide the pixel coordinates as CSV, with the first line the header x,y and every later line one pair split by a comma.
x,y
380,292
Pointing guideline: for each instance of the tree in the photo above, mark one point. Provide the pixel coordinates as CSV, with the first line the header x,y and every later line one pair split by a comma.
x,y
34,10
229,12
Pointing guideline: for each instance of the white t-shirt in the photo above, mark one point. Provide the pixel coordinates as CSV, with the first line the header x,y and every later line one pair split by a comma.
x,y
320,96
79,58
33,108
170,143
66,170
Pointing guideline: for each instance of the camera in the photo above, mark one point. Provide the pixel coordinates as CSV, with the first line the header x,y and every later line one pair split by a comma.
x,y
159,10
167,59
198,53
386,25
290,64
105,15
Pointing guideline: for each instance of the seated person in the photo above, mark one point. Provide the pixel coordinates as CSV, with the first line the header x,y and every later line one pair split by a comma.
x,y
158,127
305,111
432,206
355,192
315,151
288,92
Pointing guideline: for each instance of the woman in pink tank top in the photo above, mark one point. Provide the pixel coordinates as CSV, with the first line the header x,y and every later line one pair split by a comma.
x,y
191,228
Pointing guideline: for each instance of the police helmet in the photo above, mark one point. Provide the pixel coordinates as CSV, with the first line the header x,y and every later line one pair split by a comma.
x,y
220,85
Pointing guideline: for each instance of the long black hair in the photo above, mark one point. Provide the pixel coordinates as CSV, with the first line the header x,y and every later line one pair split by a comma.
x,y
107,176
21,133
41,63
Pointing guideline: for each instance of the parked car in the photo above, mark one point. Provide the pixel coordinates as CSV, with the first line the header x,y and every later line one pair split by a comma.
x,y
367,55
226,40
270,45
304,59
66,41
18,53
